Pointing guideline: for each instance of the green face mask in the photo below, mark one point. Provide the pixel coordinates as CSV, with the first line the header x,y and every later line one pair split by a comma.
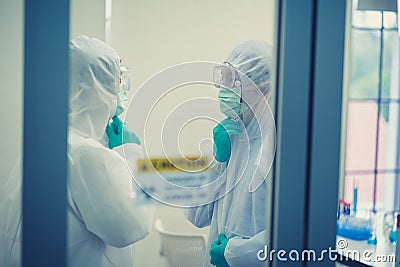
x,y
121,102
230,102
227,79
124,88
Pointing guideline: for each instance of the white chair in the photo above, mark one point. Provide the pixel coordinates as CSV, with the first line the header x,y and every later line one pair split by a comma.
x,y
181,249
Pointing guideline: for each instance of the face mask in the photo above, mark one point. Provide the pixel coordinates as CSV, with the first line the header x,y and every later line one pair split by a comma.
x,y
227,79
122,102
230,102
125,86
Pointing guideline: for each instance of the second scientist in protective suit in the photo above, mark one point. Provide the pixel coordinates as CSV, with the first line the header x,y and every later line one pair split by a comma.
x,y
244,146
103,218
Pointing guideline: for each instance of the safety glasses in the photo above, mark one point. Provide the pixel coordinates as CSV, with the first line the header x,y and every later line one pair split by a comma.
x,y
125,79
226,76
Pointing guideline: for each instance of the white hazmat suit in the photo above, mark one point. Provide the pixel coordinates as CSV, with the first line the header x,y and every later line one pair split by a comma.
x,y
241,213
103,219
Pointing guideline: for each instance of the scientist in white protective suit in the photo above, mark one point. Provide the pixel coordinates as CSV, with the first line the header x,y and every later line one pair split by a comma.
x,y
244,147
103,219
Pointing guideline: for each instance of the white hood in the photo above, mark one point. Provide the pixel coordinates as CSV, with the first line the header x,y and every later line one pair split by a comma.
x,y
94,85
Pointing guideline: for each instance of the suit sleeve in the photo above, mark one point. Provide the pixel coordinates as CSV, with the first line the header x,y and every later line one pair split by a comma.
x,y
244,252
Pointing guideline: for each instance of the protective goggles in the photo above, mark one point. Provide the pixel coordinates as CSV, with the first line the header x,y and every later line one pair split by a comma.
x,y
125,79
225,75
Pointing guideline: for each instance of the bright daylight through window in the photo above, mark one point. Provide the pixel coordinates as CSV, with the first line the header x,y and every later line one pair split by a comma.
x,y
373,114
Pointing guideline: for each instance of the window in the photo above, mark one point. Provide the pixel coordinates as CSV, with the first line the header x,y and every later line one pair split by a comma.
x,y
372,146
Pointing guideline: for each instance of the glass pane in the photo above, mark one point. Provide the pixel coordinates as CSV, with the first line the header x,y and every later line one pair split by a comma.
x,y
367,19
385,190
364,63
388,136
389,19
390,84
386,185
176,32
361,135
365,195
11,110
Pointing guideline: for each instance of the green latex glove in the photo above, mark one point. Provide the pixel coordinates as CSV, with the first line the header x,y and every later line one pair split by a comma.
x,y
116,123
119,134
217,251
222,138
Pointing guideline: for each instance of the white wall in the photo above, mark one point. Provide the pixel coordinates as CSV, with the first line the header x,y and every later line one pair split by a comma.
x,y
11,51
153,35
87,17
11,54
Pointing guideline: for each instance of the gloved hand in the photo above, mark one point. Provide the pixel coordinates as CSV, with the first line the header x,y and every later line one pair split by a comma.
x,y
116,123
119,134
217,251
222,141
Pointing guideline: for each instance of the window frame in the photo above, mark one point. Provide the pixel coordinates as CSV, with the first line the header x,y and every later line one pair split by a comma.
x,y
379,100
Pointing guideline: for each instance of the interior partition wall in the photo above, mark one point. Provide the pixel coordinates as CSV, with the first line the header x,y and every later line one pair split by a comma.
x,y
310,47
46,78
